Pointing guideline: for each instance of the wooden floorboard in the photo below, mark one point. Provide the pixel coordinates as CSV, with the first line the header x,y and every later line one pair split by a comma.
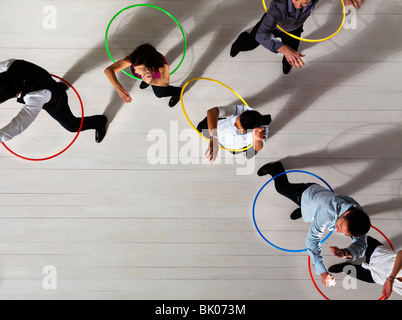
x,y
120,221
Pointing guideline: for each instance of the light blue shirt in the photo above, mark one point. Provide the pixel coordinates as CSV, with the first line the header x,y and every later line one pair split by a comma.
x,y
322,208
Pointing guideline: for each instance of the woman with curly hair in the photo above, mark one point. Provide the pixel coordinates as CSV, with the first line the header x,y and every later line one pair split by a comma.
x,y
149,65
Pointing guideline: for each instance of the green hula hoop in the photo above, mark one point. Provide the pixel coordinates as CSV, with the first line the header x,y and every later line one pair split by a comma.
x,y
152,6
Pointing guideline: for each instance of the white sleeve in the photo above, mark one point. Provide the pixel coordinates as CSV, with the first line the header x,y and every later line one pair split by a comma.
x,y
4,65
34,103
231,111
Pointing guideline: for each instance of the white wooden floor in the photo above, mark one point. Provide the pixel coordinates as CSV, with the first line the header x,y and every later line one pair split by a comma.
x,y
115,225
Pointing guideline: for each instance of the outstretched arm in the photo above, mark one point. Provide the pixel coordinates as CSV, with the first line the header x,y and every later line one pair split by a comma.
x,y
110,73
355,251
212,118
27,115
314,250
387,288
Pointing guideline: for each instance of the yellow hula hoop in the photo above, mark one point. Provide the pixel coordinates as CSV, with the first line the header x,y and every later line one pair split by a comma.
x,y
313,40
192,125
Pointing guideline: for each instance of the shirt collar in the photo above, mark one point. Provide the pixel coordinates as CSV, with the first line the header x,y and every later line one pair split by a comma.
x,y
291,7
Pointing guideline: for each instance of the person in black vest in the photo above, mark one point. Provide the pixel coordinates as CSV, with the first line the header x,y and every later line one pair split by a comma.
x,y
36,89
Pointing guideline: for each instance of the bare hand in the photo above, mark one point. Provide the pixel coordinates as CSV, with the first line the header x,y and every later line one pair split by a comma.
x,y
124,95
212,151
259,134
327,279
354,3
387,289
147,77
292,56
337,252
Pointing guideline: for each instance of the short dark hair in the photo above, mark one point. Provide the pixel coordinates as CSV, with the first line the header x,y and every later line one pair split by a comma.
x,y
358,222
252,119
10,86
146,55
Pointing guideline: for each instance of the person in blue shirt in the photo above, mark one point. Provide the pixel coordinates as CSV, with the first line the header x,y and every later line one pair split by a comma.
x,y
325,210
290,15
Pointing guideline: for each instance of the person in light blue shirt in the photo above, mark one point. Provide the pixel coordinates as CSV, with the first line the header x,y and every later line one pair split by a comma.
x,y
325,210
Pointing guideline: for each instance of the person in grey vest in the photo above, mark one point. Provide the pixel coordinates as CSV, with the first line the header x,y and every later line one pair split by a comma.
x,y
290,15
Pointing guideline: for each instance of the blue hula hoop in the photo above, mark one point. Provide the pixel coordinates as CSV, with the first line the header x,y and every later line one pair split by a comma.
x,y
255,201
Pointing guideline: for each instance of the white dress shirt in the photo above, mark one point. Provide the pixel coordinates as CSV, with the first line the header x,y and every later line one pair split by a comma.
x,y
228,134
34,101
381,264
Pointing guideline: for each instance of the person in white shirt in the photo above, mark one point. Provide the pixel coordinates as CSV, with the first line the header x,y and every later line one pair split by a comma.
x,y
36,89
382,266
234,127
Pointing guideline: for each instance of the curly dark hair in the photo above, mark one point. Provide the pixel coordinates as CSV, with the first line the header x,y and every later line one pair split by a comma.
x,y
148,56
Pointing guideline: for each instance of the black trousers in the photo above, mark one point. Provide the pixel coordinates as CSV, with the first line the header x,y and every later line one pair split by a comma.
x,y
202,127
169,91
292,191
246,41
62,114
362,273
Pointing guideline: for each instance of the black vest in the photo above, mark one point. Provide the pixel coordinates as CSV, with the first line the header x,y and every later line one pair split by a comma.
x,y
36,78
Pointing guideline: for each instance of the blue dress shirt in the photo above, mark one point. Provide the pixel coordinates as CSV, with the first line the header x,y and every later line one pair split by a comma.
x,y
322,208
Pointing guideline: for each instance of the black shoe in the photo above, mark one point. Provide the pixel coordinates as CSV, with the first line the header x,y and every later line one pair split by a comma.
x,y
296,214
338,268
272,168
144,85
286,67
234,50
173,101
100,133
